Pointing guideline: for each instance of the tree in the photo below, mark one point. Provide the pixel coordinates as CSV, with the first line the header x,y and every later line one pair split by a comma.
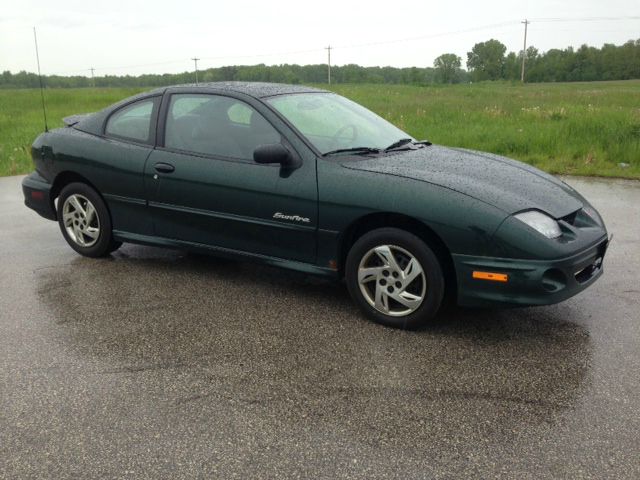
x,y
533,65
447,66
512,66
532,53
486,60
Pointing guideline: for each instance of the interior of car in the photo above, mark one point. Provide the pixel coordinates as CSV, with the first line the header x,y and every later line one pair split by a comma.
x,y
215,125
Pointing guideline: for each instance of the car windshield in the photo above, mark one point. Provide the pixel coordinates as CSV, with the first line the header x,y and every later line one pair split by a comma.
x,y
331,122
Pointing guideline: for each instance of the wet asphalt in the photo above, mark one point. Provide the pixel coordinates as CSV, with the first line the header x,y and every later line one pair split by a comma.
x,y
160,364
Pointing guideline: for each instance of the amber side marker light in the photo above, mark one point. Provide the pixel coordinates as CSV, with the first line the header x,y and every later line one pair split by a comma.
x,y
496,277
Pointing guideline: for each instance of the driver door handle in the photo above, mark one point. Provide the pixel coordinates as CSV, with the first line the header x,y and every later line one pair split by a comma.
x,y
162,167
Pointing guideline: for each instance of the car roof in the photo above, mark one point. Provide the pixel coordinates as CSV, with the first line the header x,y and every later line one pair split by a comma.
x,y
253,89
94,123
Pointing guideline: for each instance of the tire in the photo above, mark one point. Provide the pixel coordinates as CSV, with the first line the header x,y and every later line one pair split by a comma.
x,y
84,221
393,263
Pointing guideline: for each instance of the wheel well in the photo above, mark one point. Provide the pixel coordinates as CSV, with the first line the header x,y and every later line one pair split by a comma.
x,y
62,180
65,178
406,223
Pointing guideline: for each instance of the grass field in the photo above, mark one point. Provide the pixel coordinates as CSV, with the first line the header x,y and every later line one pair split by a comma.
x,y
571,128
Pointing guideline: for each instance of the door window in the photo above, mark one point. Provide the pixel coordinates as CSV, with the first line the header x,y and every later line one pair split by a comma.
x,y
216,125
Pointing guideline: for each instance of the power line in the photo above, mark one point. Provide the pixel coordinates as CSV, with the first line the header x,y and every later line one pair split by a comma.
x,y
314,50
583,19
433,35
173,62
487,27
123,67
258,55
297,52
511,23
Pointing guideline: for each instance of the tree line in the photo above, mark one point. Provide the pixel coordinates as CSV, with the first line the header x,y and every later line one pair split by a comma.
x,y
486,61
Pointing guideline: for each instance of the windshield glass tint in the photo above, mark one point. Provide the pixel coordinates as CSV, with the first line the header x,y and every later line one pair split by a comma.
x,y
331,122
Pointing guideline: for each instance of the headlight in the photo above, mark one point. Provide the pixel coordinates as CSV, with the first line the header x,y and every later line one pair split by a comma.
x,y
544,224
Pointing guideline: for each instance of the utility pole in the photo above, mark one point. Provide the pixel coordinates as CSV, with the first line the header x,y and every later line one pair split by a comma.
x,y
524,49
195,60
328,49
93,80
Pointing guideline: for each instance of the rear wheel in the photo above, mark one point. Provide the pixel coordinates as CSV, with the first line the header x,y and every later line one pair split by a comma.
x,y
395,278
84,221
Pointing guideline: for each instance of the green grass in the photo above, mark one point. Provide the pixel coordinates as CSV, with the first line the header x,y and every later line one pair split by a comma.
x,y
21,118
570,128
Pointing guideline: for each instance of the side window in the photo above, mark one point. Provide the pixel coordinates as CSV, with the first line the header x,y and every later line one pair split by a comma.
x,y
132,122
216,125
240,113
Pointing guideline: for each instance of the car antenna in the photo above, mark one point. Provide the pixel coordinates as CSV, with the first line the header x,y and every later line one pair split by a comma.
x,y
44,110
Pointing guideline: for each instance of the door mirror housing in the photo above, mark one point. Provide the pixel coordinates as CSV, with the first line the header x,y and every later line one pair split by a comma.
x,y
275,153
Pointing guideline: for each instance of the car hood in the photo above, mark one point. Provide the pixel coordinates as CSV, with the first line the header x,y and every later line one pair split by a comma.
x,y
504,183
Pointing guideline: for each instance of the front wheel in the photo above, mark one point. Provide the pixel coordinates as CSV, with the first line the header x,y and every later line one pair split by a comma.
x,y
84,221
395,278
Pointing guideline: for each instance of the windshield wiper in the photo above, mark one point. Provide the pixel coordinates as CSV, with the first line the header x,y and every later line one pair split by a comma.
x,y
364,150
356,150
400,143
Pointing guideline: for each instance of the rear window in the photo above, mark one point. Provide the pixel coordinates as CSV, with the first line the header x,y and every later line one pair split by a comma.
x,y
132,122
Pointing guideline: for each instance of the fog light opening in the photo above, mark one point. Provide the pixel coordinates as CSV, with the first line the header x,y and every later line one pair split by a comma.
x,y
586,273
554,280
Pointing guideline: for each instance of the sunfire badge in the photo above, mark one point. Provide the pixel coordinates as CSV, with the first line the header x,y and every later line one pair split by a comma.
x,y
295,218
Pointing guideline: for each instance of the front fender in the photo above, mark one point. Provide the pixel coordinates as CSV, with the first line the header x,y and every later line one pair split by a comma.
x,y
464,224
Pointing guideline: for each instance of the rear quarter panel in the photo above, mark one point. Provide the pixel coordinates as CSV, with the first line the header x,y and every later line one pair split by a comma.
x,y
113,167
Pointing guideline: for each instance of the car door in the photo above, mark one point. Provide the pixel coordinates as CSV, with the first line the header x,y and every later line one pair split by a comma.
x,y
205,188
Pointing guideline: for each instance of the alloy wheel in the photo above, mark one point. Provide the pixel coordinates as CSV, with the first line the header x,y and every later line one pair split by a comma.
x,y
81,220
392,280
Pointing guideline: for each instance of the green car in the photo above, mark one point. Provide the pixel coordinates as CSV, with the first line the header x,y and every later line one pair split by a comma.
x,y
305,179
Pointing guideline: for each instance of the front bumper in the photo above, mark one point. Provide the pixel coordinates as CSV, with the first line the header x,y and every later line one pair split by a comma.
x,y
528,282
37,196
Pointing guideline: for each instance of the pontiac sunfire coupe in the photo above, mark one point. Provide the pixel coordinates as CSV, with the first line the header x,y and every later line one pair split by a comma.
x,y
306,179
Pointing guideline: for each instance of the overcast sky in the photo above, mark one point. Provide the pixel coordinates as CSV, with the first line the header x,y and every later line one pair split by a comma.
x,y
132,37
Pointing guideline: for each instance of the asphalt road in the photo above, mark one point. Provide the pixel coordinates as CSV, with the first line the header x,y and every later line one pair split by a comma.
x,y
156,364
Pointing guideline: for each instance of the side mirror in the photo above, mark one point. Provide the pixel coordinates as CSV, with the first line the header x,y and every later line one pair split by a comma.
x,y
275,153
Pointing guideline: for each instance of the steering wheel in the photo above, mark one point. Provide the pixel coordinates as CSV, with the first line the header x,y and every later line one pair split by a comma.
x,y
345,128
